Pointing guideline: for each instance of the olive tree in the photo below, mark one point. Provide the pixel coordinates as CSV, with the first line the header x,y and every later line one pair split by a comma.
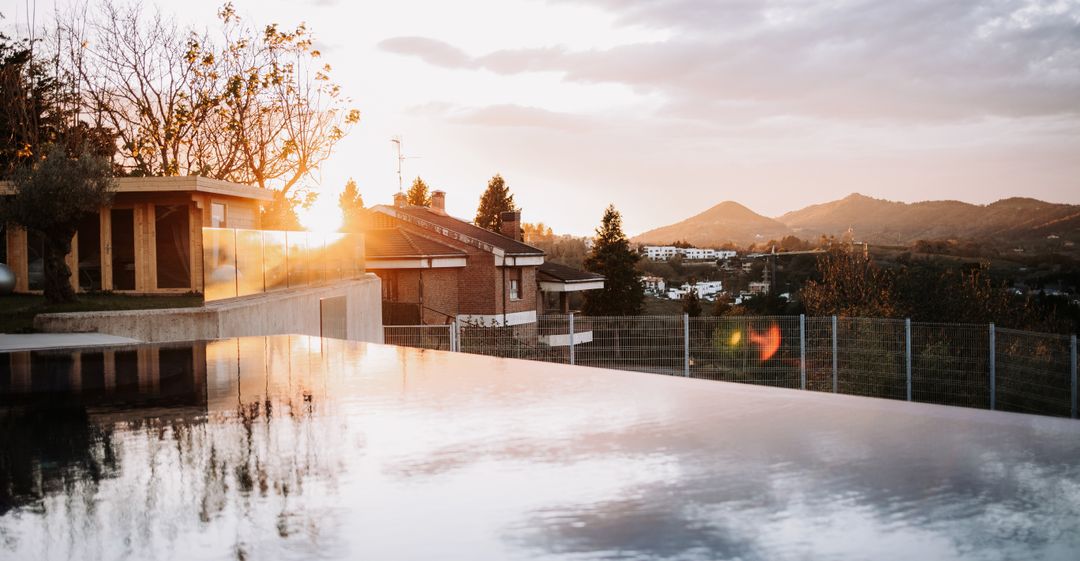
x,y
51,196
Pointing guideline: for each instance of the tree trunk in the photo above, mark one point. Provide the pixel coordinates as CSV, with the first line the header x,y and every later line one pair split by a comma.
x,y
57,274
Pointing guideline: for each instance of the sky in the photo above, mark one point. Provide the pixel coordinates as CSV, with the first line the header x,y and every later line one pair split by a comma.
x,y
665,108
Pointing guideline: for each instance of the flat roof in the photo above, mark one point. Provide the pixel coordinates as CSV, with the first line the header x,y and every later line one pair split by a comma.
x,y
174,184
562,273
292,447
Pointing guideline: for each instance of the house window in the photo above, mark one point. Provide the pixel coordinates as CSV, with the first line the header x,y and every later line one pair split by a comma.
x,y
217,215
515,284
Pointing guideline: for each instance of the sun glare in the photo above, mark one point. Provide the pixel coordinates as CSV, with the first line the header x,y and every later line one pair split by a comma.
x,y
323,216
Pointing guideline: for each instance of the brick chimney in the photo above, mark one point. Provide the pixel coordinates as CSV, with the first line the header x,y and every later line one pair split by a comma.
x,y
399,200
511,224
438,202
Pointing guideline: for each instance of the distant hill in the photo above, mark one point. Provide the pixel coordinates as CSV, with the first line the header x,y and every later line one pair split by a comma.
x,y
1008,221
879,221
726,222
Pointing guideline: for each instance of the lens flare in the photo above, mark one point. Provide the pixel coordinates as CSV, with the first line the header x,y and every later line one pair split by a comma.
x,y
736,338
768,342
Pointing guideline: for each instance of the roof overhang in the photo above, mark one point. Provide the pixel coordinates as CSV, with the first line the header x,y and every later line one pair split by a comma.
x,y
176,184
506,260
415,263
570,286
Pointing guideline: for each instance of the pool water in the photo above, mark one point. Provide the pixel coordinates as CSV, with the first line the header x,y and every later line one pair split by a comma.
x,y
304,448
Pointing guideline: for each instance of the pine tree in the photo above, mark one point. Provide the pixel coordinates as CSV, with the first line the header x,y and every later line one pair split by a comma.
x,y
418,194
495,201
612,257
352,207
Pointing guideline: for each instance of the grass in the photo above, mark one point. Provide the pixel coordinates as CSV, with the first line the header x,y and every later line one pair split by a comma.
x,y
17,311
664,307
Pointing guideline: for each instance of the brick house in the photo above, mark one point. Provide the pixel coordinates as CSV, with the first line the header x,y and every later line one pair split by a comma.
x,y
419,274
436,268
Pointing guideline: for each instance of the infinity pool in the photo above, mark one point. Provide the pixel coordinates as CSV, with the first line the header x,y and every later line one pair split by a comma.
x,y
302,448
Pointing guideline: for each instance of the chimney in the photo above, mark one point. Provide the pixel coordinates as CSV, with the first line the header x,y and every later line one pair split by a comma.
x,y
438,202
511,224
399,199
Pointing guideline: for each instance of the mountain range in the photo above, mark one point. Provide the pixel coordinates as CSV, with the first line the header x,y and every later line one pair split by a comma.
x,y
878,221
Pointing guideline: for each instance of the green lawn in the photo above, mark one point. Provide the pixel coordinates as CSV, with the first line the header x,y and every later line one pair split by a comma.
x,y
17,311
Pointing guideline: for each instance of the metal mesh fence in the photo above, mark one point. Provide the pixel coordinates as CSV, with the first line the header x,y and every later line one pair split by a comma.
x,y
754,350
547,340
641,343
950,364
820,358
871,358
438,337
1033,373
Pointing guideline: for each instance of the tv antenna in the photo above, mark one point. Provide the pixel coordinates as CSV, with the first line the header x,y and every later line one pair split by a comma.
x,y
400,160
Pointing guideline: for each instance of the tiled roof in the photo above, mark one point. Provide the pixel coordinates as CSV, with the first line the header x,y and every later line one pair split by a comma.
x,y
389,243
508,245
562,273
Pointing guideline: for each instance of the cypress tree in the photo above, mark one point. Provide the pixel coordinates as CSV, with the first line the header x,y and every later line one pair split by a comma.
x,y
418,193
613,257
352,206
495,200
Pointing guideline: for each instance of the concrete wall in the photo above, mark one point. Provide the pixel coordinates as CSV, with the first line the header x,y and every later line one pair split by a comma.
x,y
293,311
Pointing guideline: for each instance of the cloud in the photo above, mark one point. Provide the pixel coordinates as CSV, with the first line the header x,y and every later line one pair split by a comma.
x,y
431,51
518,116
506,115
857,60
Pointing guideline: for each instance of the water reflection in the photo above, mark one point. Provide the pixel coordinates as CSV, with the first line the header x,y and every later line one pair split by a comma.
x,y
297,447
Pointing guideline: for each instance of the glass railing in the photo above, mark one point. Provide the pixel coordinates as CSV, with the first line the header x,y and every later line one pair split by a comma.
x,y
241,262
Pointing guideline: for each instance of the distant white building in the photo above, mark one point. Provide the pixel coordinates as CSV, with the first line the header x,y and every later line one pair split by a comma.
x,y
677,293
709,289
759,287
653,285
698,253
665,252
705,289
661,252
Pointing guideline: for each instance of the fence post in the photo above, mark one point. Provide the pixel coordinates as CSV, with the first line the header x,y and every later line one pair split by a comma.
x,y
455,336
834,361
1072,366
802,351
907,353
993,369
686,344
571,337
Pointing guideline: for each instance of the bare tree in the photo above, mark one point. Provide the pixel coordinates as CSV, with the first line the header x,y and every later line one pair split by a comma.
x,y
245,105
